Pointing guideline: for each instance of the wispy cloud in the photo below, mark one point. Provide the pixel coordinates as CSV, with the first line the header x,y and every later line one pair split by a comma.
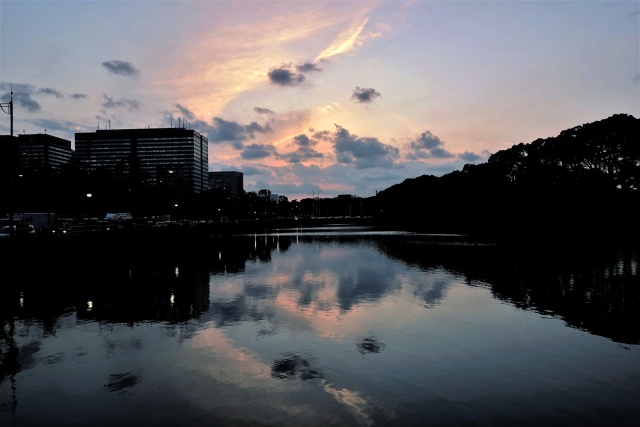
x,y
50,91
345,41
113,103
261,110
307,67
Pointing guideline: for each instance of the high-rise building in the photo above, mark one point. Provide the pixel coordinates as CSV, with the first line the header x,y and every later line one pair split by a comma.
x,y
151,154
231,180
42,150
8,171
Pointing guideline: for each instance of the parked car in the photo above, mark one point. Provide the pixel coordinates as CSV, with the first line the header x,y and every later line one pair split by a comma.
x,y
19,230
5,231
53,231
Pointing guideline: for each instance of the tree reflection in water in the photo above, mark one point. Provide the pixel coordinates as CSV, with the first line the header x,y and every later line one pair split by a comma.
x,y
593,287
281,289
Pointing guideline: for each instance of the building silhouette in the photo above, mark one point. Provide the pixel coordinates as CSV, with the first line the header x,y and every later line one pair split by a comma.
x,y
230,180
43,151
8,171
149,155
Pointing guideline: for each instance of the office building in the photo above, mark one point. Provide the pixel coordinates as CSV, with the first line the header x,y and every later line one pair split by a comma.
x,y
152,154
230,180
43,151
8,161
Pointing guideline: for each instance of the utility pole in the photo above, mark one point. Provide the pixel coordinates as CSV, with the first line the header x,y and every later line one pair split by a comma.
x,y
9,105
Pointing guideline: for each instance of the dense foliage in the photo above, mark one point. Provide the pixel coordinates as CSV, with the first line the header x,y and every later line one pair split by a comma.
x,y
585,179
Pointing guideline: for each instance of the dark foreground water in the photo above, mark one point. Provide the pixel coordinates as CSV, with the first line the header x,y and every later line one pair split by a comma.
x,y
317,327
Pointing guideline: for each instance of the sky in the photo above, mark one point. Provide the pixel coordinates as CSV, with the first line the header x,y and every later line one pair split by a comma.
x,y
321,98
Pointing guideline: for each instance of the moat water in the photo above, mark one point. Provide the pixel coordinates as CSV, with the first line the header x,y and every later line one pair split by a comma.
x,y
331,326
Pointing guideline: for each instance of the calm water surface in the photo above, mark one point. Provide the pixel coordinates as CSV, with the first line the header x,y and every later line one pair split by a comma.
x,y
329,326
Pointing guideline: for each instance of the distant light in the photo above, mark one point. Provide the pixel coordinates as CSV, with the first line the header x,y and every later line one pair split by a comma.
x,y
89,195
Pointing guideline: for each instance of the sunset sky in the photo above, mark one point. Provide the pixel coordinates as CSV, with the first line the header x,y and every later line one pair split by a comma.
x,y
329,97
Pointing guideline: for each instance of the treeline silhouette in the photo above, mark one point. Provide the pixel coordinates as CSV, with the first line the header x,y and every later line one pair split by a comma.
x,y
583,181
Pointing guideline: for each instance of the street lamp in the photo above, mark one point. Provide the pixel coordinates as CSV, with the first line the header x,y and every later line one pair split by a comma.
x,y
89,196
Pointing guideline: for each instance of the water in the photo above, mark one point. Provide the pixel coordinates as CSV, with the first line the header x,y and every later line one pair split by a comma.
x,y
329,326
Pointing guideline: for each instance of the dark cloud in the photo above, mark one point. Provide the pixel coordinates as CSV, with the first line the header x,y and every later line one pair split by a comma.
x,y
427,146
22,95
304,151
285,77
441,153
50,91
261,110
227,131
303,140
427,141
323,135
362,152
302,154
78,96
254,127
112,103
122,68
234,132
365,95
257,151
23,99
307,67
470,157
